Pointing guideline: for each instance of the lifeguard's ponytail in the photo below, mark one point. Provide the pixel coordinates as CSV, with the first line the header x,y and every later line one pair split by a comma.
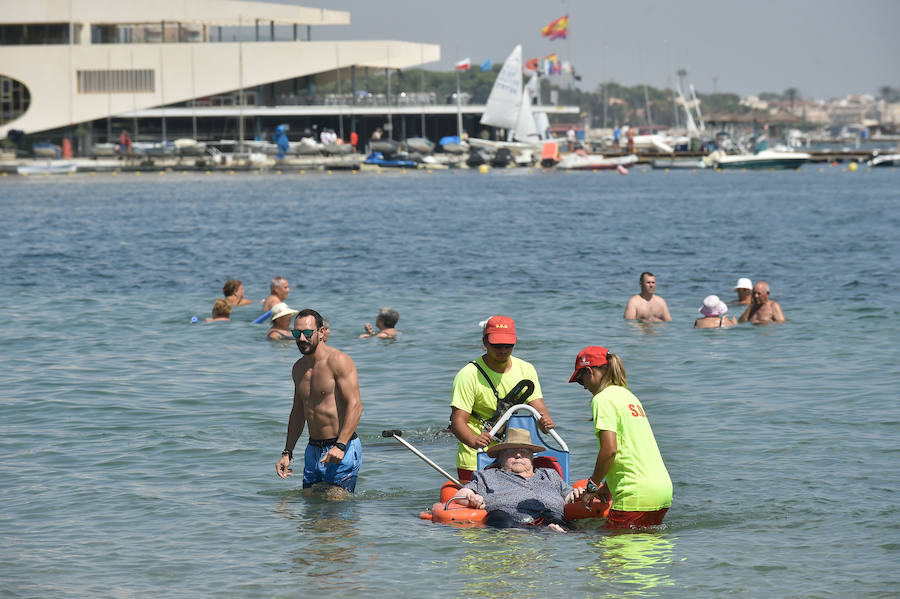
x,y
613,372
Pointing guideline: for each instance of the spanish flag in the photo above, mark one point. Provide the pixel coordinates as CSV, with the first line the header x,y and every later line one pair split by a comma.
x,y
557,29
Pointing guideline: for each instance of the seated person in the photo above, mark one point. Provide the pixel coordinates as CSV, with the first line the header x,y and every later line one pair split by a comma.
x,y
221,310
514,493
281,322
385,321
713,310
234,293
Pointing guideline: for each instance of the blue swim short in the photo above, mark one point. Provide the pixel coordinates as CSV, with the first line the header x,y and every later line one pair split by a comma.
x,y
342,475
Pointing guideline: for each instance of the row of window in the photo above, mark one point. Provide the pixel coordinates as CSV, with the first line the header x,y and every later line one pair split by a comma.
x,y
116,81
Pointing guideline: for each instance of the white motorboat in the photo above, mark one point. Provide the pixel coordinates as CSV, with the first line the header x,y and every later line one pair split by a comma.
x,y
47,168
765,159
594,162
884,160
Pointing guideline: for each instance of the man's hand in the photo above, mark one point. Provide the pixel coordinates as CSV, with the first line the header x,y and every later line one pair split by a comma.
x,y
546,423
283,467
334,456
483,440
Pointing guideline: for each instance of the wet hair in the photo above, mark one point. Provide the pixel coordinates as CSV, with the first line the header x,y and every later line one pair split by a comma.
x,y
320,322
221,308
388,316
613,372
645,274
231,286
277,282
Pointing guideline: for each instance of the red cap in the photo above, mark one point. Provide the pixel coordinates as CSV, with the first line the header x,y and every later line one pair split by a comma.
x,y
593,355
500,329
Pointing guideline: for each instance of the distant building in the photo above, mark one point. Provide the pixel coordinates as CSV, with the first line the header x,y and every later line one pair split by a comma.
x,y
66,63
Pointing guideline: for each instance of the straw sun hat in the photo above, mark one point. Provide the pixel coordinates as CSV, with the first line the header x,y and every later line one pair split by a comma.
x,y
516,438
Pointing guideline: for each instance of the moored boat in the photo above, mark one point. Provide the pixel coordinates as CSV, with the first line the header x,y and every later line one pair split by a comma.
x,y
594,162
765,159
884,160
47,168
379,159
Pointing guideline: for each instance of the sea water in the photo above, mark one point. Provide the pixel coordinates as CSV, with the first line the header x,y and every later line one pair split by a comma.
x,y
138,449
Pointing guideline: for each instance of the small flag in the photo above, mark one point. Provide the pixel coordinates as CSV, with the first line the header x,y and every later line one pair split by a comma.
x,y
551,64
463,65
487,65
532,65
557,29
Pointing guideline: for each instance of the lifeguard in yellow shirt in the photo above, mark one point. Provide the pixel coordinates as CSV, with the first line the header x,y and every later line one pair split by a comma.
x,y
637,481
479,385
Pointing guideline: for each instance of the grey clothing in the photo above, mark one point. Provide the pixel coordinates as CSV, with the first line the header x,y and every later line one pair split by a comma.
x,y
544,494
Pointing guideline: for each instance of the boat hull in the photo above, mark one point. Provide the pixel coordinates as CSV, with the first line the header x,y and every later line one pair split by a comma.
x,y
595,163
765,160
63,168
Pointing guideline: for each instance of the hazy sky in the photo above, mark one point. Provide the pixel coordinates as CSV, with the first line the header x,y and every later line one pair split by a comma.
x,y
824,48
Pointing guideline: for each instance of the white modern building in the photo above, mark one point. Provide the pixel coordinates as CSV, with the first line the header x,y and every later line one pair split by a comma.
x,y
70,62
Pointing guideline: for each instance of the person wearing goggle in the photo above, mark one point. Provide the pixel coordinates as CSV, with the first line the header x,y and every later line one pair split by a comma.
x,y
327,399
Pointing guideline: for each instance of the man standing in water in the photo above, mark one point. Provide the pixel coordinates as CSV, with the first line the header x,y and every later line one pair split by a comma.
x,y
326,396
480,384
762,310
646,305
279,292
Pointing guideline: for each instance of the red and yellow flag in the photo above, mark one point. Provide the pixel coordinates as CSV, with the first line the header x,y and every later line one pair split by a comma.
x,y
557,29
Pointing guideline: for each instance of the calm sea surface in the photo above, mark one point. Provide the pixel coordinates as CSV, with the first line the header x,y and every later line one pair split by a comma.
x,y
137,450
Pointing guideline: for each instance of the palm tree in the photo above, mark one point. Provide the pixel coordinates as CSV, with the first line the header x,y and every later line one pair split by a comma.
x,y
792,93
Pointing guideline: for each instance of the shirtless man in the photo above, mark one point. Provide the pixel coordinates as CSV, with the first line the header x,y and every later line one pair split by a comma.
x,y
646,305
385,321
762,310
279,291
326,396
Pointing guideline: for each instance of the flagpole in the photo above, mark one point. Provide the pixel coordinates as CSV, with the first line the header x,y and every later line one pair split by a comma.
x,y
569,47
458,108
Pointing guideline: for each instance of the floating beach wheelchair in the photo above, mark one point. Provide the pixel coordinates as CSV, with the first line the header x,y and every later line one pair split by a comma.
x,y
556,456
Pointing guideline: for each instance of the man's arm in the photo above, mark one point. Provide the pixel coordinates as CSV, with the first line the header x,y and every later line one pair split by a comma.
x,y
777,314
458,420
546,422
746,315
666,317
346,392
631,309
296,422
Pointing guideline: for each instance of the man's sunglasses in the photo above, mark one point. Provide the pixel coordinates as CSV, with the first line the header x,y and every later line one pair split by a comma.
x,y
308,333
